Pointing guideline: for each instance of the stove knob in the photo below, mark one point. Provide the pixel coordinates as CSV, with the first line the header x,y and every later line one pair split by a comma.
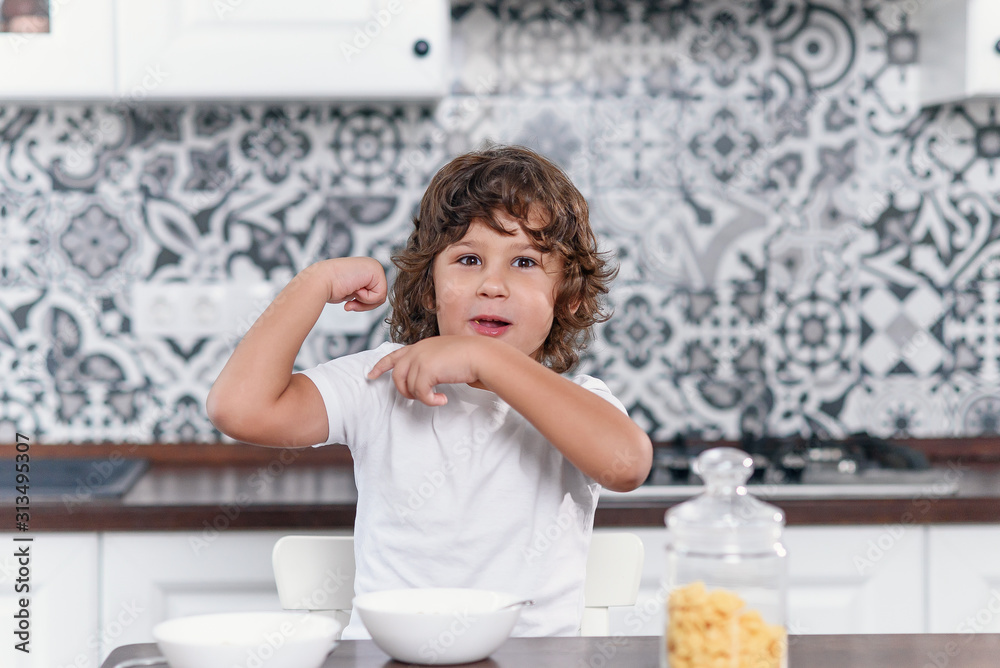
x,y
760,465
679,469
847,466
793,465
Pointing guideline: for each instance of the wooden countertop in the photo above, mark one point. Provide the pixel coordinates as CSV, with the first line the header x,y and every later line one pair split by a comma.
x,y
237,486
843,651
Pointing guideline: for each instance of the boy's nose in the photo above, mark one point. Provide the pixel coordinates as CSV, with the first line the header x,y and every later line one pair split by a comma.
x,y
493,284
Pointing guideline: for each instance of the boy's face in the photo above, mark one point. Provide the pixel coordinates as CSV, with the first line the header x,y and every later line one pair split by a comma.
x,y
492,284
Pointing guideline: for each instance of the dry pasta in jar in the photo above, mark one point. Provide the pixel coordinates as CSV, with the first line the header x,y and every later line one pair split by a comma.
x,y
713,629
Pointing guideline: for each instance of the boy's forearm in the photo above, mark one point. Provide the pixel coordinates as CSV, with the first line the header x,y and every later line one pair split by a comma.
x,y
590,431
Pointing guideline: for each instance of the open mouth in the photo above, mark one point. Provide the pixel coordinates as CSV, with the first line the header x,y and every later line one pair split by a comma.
x,y
492,326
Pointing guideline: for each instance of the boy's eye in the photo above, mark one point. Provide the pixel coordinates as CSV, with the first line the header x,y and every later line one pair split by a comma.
x,y
525,262
468,260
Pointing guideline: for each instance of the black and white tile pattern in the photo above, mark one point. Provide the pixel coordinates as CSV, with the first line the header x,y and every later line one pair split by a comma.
x,y
802,248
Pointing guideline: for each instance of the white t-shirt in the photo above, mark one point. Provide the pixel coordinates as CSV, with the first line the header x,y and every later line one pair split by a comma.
x,y
468,494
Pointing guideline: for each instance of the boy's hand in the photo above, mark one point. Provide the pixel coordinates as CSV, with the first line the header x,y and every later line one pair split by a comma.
x,y
417,368
359,282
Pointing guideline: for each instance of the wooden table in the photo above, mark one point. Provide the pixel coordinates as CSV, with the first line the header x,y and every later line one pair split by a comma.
x,y
841,651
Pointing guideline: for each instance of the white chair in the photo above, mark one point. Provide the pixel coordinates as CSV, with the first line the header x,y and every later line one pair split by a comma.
x,y
614,567
316,573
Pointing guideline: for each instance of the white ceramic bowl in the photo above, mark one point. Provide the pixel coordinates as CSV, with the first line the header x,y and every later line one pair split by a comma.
x,y
437,626
247,639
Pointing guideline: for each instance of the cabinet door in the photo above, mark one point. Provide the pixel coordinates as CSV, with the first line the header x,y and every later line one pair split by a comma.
x,y
856,579
964,582
149,577
841,580
62,600
984,48
75,60
265,49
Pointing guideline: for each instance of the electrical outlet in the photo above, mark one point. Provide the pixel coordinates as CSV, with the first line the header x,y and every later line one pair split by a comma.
x,y
180,309
335,320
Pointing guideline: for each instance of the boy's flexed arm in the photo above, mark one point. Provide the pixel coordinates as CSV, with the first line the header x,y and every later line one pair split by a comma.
x,y
590,431
257,398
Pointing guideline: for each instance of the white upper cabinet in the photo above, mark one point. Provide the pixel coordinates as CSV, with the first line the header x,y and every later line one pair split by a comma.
x,y
75,60
271,49
135,50
959,50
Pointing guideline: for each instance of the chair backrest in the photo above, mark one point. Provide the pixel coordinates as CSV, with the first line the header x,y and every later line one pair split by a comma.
x,y
316,573
614,568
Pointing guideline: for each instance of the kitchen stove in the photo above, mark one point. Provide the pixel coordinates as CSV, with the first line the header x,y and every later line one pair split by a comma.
x,y
861,466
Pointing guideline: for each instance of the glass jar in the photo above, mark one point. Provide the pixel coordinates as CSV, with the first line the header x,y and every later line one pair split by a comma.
x,y
726,573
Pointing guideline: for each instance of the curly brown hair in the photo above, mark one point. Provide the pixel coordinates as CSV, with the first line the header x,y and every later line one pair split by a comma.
x,y
519,181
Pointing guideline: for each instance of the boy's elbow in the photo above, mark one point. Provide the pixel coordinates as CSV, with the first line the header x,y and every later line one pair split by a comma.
x,y
631,466
217,411
223,414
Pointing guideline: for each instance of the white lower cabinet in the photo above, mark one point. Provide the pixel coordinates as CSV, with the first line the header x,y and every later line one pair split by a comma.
x,y
60,618
856,579
93,592
149,577
841,580
964,576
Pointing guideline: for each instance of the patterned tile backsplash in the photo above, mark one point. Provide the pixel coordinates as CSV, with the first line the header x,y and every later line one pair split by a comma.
x,y
802,249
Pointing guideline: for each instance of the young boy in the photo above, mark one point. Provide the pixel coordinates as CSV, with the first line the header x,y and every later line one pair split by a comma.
x,y
477,464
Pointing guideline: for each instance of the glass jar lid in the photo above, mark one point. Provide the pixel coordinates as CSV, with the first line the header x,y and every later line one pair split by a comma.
x,y
725,519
